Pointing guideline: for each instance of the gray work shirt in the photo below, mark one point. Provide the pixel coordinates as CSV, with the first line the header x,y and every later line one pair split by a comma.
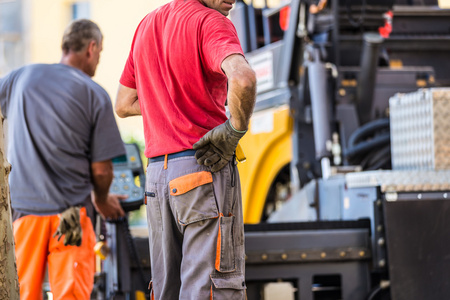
x,y
59,122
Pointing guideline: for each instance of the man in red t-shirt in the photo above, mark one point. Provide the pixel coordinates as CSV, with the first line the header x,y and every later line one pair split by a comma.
x,y
185,63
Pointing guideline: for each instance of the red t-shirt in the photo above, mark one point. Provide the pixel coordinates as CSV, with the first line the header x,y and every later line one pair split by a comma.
x,y
175,66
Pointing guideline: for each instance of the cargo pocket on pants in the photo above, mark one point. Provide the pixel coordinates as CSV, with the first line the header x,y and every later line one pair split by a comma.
x,y
227,287
225,257
193,197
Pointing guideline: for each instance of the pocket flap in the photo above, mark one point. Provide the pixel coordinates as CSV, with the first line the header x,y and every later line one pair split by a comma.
x,y
185,183
236,282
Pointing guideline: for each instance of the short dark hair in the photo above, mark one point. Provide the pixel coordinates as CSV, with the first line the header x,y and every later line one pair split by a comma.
x,y
79,34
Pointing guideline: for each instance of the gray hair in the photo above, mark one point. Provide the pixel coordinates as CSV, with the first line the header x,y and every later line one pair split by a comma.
x,y
79,34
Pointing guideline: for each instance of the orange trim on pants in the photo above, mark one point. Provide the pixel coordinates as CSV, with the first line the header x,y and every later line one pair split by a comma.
x,y
71,269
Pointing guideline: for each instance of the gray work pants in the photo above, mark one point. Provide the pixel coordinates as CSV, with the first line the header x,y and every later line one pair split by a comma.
x,y
196,231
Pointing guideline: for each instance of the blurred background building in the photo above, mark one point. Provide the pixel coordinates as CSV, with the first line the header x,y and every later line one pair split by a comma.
x,y
31,32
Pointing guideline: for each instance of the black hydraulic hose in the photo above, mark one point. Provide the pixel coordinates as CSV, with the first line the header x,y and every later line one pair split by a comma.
x,y
378,289
368,145
382,162
374,156
373,293
367,129
133,252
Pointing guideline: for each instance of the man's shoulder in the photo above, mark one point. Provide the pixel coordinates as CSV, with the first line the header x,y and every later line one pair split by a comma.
x,y
21,69
186,8
16,73
83,78
78,78
99,91
94,85
35,67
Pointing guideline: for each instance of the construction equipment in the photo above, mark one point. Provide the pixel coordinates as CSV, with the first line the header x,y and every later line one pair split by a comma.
x,y
123,259
332,218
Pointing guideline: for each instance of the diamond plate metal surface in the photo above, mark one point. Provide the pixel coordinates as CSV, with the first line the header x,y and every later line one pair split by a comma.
x,y
401,181
420,130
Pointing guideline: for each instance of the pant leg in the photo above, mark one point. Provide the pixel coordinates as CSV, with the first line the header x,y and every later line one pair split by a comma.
x,y
164,237
31,234
208,209
71,268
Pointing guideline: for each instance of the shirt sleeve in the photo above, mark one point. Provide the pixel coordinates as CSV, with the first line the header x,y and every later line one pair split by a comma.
x,y
5,92
128,77
106,142
219,40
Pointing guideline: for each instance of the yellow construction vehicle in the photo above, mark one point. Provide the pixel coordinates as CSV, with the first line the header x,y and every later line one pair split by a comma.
x,y
346,150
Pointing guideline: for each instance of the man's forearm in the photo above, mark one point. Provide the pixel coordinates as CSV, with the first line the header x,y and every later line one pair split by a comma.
x,y
241,101
241,90
101,188
107,205
102,175
127,102
132,110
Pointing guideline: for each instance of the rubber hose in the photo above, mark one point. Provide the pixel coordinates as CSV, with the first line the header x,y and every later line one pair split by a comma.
x,y
380,155
373,293
367,129
368,145
380,163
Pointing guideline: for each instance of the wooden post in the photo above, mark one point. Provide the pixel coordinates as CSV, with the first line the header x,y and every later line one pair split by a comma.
x,y
9,283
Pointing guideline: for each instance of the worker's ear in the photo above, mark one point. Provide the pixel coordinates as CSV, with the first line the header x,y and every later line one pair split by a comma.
x,y
90,48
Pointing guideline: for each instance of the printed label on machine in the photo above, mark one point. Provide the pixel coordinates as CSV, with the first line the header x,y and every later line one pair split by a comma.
x,y
262,64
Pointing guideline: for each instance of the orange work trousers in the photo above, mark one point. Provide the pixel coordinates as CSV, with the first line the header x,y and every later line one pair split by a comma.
x,y
70,268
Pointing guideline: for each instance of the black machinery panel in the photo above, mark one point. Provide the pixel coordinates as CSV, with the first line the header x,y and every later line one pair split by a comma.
x,y
126,169
417,231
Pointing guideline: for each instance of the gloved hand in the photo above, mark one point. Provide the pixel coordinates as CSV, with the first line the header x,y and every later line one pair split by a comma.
x,y
217,146
69,225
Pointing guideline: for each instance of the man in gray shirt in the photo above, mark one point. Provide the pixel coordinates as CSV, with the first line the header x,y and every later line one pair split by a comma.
x,y
62,136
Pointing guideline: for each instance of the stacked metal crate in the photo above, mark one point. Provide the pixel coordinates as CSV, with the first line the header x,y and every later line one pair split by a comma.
x,y
420,130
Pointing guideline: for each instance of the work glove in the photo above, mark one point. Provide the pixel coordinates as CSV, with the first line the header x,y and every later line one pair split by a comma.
x,y
216,148
69,225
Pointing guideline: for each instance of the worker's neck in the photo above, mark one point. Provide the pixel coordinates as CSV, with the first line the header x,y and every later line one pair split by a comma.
x,y
73,60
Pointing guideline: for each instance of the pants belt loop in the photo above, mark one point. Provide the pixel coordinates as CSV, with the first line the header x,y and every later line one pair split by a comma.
x,y
165,162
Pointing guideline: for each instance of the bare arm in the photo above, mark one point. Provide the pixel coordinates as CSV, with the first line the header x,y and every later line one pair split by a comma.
x,y
314,9
241,90
107,205
127,102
